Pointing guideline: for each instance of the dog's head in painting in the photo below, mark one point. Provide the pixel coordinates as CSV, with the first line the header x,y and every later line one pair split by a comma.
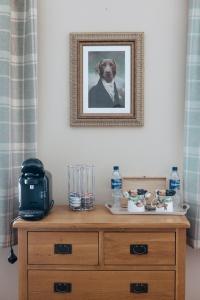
x,y
107,69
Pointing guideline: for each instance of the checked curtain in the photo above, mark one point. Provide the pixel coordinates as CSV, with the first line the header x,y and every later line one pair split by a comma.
x,y
192,124
18,100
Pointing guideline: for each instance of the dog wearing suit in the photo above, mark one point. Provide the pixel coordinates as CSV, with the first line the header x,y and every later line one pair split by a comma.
x,y
105,93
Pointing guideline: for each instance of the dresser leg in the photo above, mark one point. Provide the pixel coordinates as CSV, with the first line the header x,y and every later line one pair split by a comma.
x,y
180,263
22,258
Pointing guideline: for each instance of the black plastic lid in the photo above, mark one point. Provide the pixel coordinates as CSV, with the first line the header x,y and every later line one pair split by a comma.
x,y
32,165
174,168
115,168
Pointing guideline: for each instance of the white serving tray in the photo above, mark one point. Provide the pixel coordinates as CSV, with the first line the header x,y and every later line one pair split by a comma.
x,y
123,211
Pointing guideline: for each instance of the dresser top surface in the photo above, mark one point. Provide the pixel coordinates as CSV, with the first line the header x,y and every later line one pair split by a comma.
x,y
60,217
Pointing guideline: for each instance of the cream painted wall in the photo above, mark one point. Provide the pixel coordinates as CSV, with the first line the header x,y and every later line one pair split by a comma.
x,y
150,150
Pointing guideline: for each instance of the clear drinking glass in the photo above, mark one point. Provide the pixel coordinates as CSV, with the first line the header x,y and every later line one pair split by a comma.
x,y
81,183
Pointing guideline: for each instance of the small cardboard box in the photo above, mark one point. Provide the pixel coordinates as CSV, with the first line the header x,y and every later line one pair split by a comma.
x,y
148,183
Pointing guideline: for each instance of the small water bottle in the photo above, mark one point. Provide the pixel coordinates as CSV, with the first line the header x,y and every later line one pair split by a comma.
x,y
174,184
116,186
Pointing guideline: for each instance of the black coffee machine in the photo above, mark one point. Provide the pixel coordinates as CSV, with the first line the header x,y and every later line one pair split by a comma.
x,y
35,196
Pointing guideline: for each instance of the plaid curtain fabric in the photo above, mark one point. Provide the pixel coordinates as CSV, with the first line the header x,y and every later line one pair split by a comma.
x,y
192,124
18,99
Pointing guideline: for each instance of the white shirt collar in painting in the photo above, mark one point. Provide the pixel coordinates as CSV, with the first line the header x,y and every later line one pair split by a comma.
x,y
110,88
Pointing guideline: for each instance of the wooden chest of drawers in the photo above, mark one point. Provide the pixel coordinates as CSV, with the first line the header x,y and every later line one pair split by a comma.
x,y
98,256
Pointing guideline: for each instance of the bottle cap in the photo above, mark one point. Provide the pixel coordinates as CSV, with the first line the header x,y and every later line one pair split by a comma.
x,y
116,168
174,168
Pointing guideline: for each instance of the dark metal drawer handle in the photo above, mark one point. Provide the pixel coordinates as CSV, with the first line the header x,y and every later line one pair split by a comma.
x,y
138,249
62,287
63,248
139,288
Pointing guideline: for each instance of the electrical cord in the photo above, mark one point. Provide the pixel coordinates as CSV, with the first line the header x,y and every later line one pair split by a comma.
x,y
12,258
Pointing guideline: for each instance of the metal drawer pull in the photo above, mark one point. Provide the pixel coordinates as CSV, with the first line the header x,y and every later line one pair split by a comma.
x,y
139,288
138,249
63,248
62,287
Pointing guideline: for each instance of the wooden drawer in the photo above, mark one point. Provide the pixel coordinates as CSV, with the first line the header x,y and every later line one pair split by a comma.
x,y
98,285
150,248
80,248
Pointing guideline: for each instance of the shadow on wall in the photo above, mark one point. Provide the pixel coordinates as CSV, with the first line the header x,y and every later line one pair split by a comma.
x,y
192,274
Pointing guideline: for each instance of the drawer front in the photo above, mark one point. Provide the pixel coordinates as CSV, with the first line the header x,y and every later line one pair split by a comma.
x,y
98,285
78,248
150,248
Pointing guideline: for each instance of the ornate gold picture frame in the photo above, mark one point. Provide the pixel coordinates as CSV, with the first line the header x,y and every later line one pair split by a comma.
x,y
106,79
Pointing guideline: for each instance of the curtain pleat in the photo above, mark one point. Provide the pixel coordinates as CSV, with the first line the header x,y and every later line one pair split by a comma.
x,y
192,124
18,101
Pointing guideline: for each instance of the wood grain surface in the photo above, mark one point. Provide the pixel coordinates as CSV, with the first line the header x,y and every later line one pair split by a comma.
x,y
101,266
84,248
161,248
61,217
102,285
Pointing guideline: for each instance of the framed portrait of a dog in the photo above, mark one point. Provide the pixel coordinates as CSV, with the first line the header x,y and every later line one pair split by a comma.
x,y
107,79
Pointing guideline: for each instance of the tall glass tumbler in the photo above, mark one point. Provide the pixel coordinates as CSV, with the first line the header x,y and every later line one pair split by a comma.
x,y
87,187
81,185
74,191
